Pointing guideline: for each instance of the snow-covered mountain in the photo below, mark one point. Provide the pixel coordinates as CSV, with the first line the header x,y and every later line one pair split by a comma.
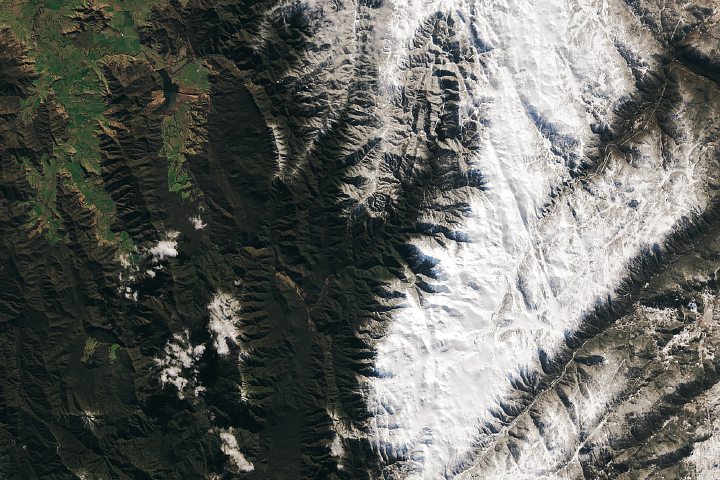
x,y
594,145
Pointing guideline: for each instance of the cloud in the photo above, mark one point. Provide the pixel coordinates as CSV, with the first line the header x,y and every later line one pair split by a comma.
x,y
224,310
197,222
230,448
177,367
165,248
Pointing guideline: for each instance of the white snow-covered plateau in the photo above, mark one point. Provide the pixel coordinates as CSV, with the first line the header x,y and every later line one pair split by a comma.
x,y
531,266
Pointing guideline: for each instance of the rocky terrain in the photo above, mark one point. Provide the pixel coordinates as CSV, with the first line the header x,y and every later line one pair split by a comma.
x,y
359,240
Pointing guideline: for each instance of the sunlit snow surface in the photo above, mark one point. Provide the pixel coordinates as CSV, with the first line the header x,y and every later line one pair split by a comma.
x,y
524,278
706,455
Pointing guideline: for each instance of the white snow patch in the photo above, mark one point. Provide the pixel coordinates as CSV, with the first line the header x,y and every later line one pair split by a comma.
x,y
224,321
230,448
150,273
524,279
243,393
83,474
178,366
706,455
89,419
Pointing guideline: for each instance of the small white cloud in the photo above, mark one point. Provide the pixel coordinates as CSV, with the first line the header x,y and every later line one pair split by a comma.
x,y
125,260
224,310
230,448
342,432
197,222
336,448
177,367
151,273
164,248
173,376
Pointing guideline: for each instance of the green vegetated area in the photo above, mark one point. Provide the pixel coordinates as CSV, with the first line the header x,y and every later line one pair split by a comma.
x,y
90,345
58,169
43,215
193,75
112,353
177,132
179,128
68,42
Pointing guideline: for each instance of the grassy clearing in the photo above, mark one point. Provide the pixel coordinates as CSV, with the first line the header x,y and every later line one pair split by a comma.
x,y
90,345
177,133
68,41
193,76
112,353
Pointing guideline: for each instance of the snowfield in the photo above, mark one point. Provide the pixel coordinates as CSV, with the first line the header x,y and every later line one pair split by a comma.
x,y
532,266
